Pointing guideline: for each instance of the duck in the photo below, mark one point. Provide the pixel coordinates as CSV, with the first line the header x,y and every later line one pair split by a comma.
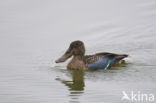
x,y
80,61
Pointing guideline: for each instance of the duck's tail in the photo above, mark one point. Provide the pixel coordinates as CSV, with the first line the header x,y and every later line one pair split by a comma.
x,y
120,57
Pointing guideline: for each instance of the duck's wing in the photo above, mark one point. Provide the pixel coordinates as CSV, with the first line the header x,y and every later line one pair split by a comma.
x,y
103,60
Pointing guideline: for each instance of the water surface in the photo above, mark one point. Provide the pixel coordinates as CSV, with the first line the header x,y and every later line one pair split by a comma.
x,y
35,33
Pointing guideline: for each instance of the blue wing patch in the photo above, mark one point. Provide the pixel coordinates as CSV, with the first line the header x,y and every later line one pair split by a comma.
x,y
102,63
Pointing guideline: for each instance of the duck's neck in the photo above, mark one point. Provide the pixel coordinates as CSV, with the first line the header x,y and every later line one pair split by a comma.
x,y
77,62
78,57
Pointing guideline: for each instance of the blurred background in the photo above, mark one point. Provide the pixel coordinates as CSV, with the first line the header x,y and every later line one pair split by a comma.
x,y
33,33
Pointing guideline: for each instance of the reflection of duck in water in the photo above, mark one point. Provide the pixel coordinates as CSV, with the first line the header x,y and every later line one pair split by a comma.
x,y
81,61
77,83
76,86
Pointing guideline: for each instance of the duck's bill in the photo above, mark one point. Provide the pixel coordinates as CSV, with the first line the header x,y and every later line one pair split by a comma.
x,y
67,55
61,59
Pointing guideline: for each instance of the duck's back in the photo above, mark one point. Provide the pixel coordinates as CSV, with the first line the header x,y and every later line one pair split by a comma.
x,y
103,60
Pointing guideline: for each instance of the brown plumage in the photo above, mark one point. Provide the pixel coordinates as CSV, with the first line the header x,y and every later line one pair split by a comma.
x,y
81,61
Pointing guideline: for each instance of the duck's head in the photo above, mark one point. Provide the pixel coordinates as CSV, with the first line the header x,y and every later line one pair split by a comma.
x,y
76,48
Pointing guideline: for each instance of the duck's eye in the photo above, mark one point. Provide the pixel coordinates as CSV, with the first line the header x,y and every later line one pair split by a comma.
x,y
77,44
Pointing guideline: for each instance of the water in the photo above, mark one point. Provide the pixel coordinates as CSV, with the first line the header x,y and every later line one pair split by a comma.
x,y
33,34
